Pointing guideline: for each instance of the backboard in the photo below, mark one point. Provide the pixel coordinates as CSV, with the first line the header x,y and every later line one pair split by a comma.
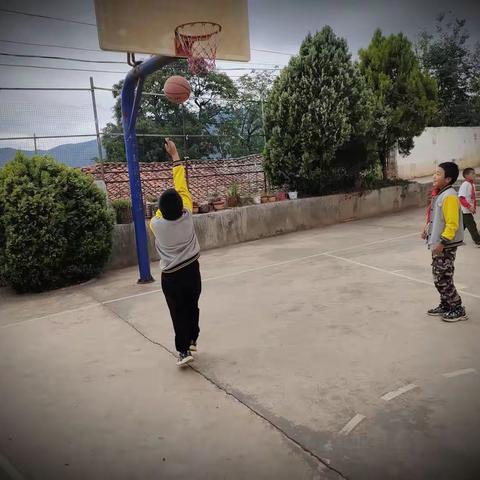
x,y
148,26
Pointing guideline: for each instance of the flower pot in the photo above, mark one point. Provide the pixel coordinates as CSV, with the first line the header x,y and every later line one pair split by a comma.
x,y
293,195
232,202
220,205
257,199
204,208
264,199
281,196
272,198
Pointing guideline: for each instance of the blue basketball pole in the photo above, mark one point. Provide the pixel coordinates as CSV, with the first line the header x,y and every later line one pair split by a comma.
x,y
131,96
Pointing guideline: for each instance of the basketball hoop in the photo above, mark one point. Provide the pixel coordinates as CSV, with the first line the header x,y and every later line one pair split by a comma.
x,y
197,41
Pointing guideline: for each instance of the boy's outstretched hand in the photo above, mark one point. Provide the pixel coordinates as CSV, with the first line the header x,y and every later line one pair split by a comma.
x,y
171,149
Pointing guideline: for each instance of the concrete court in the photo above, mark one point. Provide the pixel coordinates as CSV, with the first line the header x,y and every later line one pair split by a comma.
x,y
302,336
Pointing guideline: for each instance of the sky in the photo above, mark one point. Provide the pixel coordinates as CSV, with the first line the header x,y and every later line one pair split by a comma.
x,y
278,25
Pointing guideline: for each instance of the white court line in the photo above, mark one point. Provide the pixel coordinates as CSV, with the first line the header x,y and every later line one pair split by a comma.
x,y
241,272
400,275
348,428
400,391
63,312
272,265
11,471
456,373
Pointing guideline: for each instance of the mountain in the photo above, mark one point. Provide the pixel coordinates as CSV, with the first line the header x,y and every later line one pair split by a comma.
x,y
72,154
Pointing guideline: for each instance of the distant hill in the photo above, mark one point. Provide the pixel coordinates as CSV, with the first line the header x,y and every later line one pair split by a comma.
x,y
73,154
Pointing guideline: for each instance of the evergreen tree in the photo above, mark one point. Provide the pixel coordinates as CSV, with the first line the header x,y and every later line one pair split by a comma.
x,y
318,110
405,97
456,68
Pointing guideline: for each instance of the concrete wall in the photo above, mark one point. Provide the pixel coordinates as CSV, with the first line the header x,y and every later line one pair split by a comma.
x,y
437,145
259,221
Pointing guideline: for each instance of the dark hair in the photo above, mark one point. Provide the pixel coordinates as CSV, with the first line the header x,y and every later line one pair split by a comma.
x,y
170,204
468,171
451,171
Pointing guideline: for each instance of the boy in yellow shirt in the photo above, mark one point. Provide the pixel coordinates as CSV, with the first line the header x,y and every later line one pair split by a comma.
x,y
177,245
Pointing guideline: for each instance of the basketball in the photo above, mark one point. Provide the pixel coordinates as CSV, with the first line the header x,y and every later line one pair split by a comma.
x,y
177,89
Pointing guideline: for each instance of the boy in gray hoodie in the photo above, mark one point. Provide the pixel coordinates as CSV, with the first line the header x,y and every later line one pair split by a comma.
x,y
177,245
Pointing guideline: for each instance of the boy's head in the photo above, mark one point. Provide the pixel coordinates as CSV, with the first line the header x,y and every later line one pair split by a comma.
x,y
469,174
445,174
170,204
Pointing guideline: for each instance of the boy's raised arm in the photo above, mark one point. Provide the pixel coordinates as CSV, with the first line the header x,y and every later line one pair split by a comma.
x,y
179,176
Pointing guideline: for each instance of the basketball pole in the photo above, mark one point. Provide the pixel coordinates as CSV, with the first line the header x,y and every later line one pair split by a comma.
x,y
130,98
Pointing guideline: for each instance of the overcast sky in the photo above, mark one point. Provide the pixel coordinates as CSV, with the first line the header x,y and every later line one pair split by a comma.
x,y
278,25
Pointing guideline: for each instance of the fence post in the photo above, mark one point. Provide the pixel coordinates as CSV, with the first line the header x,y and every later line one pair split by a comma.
x,y
35,143
263,121
97,130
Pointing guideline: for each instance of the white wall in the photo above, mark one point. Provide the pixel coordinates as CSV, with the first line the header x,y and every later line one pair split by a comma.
x,y
437,145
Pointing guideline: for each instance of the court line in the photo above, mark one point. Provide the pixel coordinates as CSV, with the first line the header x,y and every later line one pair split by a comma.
x,y
10,470
456,373
272,265
400,391
394,273
328,253
352,424
63,312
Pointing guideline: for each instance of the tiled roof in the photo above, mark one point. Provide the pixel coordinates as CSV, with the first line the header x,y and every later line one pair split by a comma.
x,y
205,177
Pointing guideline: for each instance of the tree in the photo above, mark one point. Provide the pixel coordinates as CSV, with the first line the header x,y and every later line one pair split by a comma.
x,y
200,116
241,129
318,109
405,97
456,68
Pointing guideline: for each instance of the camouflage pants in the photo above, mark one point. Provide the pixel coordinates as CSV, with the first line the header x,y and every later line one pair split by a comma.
x,y
443,267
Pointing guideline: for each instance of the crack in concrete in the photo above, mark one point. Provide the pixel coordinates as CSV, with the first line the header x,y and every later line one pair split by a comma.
x,y
237,398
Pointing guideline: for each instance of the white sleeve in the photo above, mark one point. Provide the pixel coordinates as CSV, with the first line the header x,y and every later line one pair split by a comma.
x,y
465,191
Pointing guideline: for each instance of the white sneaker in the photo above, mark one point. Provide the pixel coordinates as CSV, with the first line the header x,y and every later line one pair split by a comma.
x,y
184,358
193,347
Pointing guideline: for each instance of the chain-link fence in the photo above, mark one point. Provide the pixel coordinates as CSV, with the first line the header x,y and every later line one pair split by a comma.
x,y
78,126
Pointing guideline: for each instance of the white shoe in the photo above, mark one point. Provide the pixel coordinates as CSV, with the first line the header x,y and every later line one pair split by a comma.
x,y
193,347
184,359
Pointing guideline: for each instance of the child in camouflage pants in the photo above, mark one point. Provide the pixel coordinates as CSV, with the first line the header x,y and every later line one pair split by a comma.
x,y
444,236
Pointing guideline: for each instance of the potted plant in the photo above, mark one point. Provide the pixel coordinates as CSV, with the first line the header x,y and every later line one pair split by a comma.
x,y
217,202
123,211
293,195
204,207
151,207
233,195
265,197
195,208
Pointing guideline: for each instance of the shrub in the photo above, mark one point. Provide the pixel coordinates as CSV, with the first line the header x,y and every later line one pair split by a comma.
x,y
55,226
123,211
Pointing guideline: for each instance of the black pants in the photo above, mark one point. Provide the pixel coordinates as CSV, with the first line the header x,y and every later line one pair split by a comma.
x,y
182,291
469,222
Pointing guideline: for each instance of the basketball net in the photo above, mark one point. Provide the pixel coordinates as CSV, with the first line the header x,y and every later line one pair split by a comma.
x,y
198,42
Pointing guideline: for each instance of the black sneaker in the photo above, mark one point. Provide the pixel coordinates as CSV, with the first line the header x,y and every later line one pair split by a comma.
x,y
455,315
438,311
193,346
184,358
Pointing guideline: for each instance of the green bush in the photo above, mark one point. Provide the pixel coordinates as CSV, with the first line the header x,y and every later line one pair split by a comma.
x,y
123,211
55,226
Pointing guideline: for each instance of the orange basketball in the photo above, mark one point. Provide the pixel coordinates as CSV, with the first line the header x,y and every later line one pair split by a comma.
x,y
177,89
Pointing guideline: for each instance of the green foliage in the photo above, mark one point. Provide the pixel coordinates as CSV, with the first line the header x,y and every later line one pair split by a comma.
x,y
455,66
405,97
318,116
55,226
123,211
205,114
